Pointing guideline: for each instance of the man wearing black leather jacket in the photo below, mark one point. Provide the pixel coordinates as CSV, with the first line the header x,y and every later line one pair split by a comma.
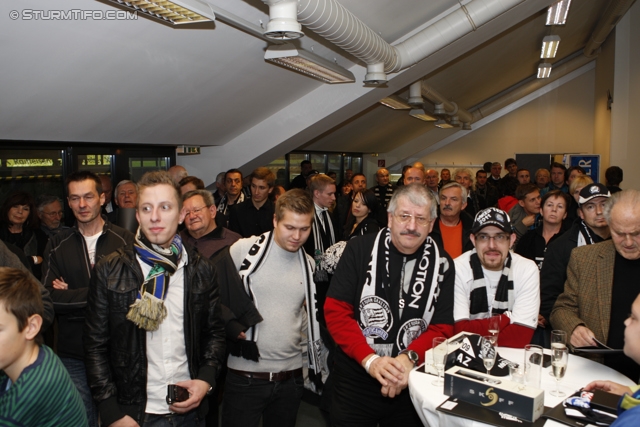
x,y
153,320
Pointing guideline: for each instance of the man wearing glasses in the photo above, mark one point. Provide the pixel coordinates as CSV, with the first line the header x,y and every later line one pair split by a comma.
x,y
391,294
201,231
492,281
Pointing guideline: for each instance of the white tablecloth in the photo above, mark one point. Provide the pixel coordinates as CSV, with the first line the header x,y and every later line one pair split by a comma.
x,y
580,371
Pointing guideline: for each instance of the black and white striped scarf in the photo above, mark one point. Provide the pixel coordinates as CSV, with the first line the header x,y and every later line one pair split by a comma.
x,y
377,314
316,351
319,245
223,206
479,304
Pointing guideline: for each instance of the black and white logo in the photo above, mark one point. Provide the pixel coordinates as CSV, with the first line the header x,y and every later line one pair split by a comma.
x,y
375,317
409,332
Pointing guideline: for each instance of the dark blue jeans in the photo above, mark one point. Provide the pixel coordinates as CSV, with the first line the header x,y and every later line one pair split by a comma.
x,y
78,375
174,420
247,399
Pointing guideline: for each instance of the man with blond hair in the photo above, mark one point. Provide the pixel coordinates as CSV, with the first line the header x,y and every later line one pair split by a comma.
x,y
153,320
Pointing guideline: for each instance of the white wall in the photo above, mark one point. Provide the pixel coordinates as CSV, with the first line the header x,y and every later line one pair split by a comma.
x,y
552,123
625,126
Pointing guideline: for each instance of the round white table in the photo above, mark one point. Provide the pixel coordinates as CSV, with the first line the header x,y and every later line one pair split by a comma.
x,y
580,371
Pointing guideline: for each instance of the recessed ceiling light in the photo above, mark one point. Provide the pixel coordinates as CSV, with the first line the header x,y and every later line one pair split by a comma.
x,y
550,46
308,63
176,12
557,12
544,71
395,102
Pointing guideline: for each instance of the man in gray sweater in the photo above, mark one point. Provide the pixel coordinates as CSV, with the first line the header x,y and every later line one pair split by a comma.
x,y
278,275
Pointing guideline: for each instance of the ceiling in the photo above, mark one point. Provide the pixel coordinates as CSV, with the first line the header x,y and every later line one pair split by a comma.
x,y
140,82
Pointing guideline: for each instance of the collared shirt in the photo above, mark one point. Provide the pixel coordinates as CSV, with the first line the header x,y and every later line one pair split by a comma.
x,y
166,348
319,211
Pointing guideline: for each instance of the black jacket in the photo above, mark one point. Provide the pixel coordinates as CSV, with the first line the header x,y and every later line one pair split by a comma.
x,y
115,348
248,221
467,223
66,256
533,246
554,269
368,225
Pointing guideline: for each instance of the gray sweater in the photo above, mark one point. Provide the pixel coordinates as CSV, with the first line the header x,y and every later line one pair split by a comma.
x,y
279,290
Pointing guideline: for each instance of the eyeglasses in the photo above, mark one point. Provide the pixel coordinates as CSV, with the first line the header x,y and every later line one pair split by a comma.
x,y
405,218
194,211
498,238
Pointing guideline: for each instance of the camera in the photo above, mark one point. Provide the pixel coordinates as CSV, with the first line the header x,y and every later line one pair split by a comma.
x,y
175,393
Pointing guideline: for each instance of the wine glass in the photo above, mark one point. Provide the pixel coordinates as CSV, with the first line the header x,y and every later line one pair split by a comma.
x,y
494,329
559,360
488,354
439,351
558,340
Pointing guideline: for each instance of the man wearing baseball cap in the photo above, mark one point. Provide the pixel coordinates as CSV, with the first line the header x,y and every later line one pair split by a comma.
x,y
492,281
592,228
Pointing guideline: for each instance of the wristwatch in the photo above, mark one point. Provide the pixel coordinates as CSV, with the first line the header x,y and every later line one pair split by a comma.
x,y
412,355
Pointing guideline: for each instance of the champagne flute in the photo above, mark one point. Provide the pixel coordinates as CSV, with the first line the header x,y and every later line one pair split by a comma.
x,y
488,354
559,361
440,352
494,329
558,341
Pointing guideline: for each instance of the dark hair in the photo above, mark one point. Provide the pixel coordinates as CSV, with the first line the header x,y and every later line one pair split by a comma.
x,y
556,193
20,198
510,161
20,296
233,171
523,189
481,171
370,200
83,176
304,162
523,169
487,167
192,180
357,174
575,168
558,165
613,175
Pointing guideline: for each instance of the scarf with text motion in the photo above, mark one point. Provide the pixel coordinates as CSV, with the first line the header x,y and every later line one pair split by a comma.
x,y
386,331
317,353
148,311
479,304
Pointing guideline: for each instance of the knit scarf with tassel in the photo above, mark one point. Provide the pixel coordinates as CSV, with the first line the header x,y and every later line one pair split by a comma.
x,y
149,310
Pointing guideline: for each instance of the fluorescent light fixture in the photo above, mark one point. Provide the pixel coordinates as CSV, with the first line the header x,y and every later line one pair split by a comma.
x,y
308,63
442,124
175,12
557,12
544,71
395,102
550,46
419,113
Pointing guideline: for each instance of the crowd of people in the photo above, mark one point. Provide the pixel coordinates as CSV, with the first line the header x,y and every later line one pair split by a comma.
x,y
168,299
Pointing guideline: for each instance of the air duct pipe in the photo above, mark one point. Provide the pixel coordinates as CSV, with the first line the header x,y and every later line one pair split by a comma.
x,y
331,20
450,108
610,18
283,23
